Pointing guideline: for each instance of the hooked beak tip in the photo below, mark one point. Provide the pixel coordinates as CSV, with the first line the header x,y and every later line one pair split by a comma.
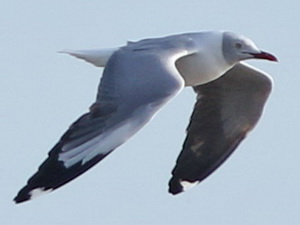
x,y
265,55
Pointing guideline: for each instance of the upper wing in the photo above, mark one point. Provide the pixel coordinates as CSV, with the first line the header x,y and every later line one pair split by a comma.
x,y
136,82
225,111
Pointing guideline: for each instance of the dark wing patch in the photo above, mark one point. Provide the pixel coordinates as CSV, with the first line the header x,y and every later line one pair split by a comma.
x,y
225,111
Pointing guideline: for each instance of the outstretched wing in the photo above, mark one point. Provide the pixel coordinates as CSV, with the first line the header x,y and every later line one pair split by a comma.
x,y
136,82
225,111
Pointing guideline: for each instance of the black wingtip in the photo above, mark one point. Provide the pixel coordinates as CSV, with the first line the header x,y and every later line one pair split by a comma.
x,y
22,196
19,199
174,186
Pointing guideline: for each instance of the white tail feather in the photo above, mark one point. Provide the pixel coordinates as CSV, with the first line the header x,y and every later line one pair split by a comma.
x,y
97,57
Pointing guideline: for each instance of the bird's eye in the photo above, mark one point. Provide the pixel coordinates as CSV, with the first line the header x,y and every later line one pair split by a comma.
x,y
238,45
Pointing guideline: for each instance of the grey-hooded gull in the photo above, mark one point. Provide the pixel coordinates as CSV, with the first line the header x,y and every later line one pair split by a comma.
x,y
140,78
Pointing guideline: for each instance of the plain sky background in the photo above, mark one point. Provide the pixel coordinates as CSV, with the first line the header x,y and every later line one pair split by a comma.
x,y
43,92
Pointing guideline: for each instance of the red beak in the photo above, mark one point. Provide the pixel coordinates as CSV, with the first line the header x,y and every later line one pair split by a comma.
x,y
265,55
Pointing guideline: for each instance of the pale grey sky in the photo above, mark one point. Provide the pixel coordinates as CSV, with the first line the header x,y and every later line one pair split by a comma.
x,y
43,92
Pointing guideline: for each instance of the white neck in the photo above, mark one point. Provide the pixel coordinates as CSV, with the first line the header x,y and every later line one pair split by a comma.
x,y
207,64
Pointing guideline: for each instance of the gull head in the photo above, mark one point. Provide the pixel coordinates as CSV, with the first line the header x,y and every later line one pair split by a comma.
x,y
237,48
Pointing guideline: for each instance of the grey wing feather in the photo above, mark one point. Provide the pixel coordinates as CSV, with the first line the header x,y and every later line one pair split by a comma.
x,y
225,111
134,85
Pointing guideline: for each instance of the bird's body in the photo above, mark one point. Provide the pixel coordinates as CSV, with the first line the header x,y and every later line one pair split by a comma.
x,y
139,79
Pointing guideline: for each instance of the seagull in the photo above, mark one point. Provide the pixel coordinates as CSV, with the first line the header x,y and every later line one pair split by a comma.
x,y
139,79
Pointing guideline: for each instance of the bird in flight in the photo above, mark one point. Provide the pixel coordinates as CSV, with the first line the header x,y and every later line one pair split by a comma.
x,y
141,77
